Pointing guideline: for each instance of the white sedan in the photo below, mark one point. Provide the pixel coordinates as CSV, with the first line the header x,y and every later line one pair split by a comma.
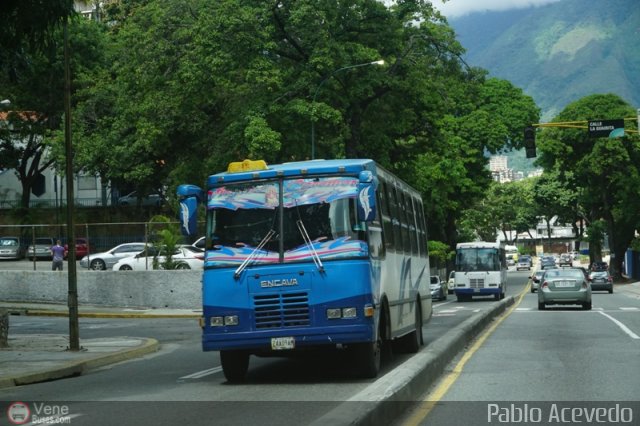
x,y
186,257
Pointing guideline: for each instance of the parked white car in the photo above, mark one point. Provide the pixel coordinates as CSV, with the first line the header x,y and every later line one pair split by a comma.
x,y
106,260
187,257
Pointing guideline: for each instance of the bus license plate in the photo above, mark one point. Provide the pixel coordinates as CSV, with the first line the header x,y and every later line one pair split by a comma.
x,y
476,290
281,343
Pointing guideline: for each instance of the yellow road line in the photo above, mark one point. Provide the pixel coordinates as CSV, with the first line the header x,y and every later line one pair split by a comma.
x,y
440,391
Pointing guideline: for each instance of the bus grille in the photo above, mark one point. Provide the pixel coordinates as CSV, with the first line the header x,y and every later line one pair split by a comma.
x,y
476,282
281,310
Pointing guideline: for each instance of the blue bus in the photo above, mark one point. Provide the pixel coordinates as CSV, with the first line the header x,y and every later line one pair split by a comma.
x,y
310,255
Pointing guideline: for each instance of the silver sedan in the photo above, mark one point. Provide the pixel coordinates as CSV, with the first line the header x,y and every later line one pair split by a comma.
x,y
106,260
567,286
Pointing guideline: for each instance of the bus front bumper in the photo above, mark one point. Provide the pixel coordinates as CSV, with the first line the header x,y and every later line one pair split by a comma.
x,y
478,291
284,340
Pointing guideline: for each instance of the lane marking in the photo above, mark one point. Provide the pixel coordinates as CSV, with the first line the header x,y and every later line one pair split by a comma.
x,y
443,303
629,309
203,373
621,325
427,404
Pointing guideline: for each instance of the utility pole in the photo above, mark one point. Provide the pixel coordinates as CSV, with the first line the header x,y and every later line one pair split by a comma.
x,y
72,297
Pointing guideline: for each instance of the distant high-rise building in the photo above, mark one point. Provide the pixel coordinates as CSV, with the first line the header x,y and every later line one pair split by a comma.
x,y
498,163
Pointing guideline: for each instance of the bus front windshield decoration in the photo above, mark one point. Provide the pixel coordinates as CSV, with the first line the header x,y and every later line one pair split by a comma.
x,y
477,259
241,215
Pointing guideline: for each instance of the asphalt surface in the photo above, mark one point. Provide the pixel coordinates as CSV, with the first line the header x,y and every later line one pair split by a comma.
x,y
44,357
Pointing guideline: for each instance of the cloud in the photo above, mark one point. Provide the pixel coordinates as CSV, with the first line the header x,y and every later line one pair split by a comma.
x,y
456,8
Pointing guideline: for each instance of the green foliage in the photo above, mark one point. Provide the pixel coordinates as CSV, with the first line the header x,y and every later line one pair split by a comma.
x,y
165,236
440,251
600,176
169,93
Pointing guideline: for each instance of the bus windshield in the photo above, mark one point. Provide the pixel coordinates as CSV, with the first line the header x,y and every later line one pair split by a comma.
x,y
477,259
241,216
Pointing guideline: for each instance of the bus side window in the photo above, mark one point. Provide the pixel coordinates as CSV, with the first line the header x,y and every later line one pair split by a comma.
x,y
422,229
376,237
404,220
413,229
395,218
386,214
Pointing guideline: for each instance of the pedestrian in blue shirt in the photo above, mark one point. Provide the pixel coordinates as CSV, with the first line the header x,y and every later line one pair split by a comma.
x,y
57,253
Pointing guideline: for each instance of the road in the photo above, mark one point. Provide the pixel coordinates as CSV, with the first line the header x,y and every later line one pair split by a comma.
x,y
578,359
182,384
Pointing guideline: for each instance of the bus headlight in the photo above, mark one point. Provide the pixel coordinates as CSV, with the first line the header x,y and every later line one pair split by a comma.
x,y
334,313
349,313
223,321
231,320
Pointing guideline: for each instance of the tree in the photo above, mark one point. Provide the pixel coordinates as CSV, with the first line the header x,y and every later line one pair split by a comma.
x,y
32,139
605,170
28,26
193,88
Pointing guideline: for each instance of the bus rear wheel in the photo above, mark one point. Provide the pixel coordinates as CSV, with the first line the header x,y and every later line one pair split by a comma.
x,y
411,342
234,365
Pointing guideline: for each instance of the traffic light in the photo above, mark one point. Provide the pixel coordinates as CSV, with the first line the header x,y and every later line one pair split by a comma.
x,y
530,141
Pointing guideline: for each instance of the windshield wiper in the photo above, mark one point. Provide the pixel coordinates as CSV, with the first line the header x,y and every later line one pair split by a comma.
x,y
307,240
249,258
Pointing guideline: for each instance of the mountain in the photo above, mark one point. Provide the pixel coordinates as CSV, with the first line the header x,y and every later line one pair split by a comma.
x,y
560,52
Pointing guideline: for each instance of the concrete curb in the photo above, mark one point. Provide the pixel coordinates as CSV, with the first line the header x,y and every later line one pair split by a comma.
x,y
389,397
79,367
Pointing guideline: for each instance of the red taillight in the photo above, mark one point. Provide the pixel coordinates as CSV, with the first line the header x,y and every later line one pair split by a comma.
x,y
545,284
199,257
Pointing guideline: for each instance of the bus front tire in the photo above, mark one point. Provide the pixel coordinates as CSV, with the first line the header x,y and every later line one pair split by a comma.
x,y
234,365
463,297
368,357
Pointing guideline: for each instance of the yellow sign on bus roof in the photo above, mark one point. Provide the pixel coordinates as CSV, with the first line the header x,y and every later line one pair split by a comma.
x,y
246,166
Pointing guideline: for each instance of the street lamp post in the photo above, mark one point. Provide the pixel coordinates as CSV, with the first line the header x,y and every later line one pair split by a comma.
x,y
315,95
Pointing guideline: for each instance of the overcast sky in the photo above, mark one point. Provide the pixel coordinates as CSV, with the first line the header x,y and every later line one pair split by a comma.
x,y
455,8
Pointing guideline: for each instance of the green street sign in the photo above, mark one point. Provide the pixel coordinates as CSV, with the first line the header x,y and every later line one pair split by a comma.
x,y
606,128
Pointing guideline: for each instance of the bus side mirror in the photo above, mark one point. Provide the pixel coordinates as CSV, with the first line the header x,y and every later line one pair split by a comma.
x,y
190,196
366,196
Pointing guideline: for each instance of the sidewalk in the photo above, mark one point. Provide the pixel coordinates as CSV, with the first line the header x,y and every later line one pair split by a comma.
x,y
33,358
90,311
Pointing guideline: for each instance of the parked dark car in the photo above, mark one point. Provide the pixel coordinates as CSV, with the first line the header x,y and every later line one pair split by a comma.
x,y
133,199
601,280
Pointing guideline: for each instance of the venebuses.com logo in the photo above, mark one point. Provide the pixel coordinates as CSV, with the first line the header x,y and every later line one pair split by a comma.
x,y
18,413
